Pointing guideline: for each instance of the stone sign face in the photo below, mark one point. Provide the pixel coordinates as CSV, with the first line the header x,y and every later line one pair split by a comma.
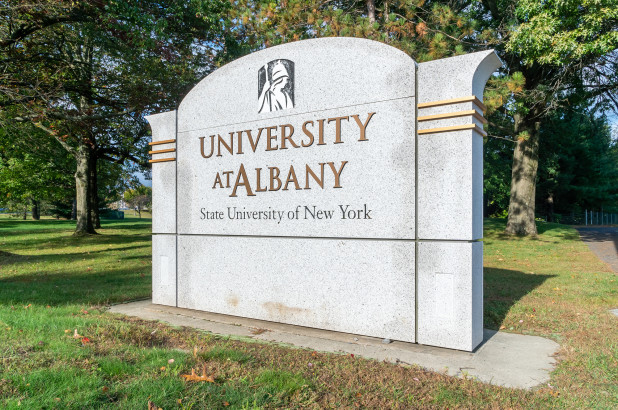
x,y
345,194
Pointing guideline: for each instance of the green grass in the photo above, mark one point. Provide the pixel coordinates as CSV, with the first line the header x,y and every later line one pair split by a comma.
x,y
53,284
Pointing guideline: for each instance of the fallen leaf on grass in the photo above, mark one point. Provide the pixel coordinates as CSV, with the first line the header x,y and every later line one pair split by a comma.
x,y
76,335
152,406
195,378
225,404
105,389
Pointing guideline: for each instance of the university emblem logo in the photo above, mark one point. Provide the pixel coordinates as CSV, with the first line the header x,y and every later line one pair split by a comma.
x,y
276,86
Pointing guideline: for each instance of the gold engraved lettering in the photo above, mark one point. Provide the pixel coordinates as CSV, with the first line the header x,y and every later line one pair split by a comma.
x,y
309,171
258,172
338,127
217,181
336,173
212,146
291,178
270,137
363,127
239,144
321,132
308,133
229,148
274,177
254,143
245,182
287,137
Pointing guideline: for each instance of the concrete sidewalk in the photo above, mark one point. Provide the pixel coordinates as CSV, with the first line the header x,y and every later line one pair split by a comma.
x,y
503,359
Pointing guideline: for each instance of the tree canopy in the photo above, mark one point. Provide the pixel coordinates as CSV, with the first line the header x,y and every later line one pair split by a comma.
x,y
86,72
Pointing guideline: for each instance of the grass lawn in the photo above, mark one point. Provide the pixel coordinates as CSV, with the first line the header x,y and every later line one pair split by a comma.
x,y
53,285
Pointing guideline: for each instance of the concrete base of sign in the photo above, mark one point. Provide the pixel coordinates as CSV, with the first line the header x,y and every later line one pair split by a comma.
x,y
503,359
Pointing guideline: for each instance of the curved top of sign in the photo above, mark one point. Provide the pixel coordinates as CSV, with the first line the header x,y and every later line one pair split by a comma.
x,y
297,78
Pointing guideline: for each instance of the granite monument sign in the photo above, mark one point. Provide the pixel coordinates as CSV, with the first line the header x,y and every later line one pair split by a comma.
x,y
330,183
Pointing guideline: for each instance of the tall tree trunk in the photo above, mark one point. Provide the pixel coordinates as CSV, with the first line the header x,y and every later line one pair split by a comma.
x,y
74,210
371,11
94,193
25,213
523,177
82,189
36,214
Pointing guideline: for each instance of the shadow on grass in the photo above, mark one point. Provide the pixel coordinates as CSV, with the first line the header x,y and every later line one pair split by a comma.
x,y
65,288
502,289
38,242
127,223
494,228
13,227
7,259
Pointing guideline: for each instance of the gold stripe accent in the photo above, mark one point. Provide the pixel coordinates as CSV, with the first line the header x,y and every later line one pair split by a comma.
x,y
161,142
161,151
471,98
454,128
473,113
162,160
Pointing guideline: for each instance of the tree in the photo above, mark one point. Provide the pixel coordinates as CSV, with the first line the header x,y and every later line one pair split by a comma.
x,y
139,198
74,69
29,176
578,166
425,30
563,51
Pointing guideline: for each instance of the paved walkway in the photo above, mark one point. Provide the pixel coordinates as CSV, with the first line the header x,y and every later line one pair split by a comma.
x,y
503,359
603,241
